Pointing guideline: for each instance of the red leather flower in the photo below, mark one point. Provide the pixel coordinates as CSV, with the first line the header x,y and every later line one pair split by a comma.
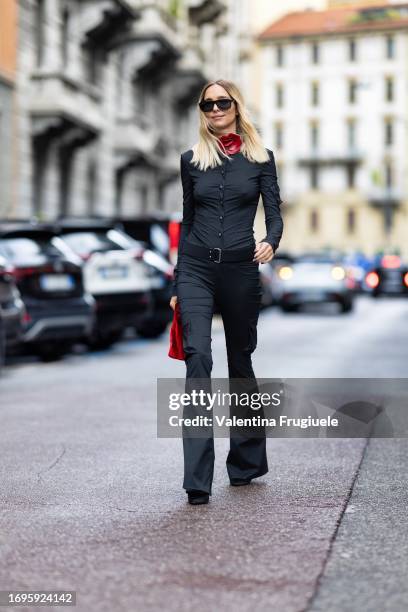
x,y
176,349
231,142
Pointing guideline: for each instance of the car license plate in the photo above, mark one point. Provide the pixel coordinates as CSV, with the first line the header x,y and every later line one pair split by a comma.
x,y
56,282
313,296
114,271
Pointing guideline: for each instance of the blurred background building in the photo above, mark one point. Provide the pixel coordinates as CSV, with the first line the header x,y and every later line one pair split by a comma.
x,y
8,135
334,108
98,99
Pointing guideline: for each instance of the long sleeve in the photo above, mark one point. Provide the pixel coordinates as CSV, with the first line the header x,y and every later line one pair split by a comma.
x,y
271,200
188,214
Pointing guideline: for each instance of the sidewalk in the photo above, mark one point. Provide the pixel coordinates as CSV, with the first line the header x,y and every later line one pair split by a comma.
x,y
367,569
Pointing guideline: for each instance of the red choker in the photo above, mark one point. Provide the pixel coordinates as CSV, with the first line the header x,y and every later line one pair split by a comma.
x,y
231,143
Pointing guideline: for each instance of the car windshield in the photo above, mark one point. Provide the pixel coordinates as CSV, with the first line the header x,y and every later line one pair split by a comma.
x,y
84,243
25,249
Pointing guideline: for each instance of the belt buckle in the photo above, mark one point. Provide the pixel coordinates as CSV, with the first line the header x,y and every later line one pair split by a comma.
x,y
219,256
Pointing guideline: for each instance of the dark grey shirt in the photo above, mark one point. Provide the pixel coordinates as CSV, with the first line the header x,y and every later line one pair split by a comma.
x,y
219,204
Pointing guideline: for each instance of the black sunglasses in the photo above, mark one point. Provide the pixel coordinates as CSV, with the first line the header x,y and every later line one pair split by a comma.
x,y
223,104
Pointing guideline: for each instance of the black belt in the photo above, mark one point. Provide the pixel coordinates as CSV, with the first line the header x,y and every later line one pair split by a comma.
x,y
218,255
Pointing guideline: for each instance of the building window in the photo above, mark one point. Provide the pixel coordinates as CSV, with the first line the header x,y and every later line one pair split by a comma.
x,y
140,99
351,133
352,91
120,79
278,135
390,47
351,220
39,26
91,186
65,38
389,89
351,176
314,177
92,64
279,55
314,221
314,135
389,178
388,131
315,53
315,94
279,95
352,50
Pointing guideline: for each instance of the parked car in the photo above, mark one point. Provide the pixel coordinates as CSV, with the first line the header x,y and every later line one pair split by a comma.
x,y
388,277
58,312
357,265
115,274
2,341
314,278
155,320
156,234
270,278
11,306
159,230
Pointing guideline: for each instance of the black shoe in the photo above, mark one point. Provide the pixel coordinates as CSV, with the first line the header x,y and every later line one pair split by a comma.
x,y
198,497
240,482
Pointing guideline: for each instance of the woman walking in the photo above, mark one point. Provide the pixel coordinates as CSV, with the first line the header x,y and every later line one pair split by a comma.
x,y
218,264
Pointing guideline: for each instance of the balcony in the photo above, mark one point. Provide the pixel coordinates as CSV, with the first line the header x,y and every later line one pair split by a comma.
x,y
58,103
385,198
133,136
189,76
103,22
152,44
204,11
324,157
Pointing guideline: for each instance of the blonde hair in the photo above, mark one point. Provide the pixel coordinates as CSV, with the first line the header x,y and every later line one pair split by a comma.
x,y
207,152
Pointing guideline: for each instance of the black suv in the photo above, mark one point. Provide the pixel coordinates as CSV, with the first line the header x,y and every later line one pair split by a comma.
x,y
58,310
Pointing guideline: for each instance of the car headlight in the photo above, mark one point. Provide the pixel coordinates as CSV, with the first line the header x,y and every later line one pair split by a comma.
x,y
338,273
285,272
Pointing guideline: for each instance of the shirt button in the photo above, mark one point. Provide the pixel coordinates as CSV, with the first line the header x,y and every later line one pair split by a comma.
x,y
221,186
221,216
220,233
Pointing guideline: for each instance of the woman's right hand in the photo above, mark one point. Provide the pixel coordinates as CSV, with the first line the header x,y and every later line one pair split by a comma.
x,y
173,302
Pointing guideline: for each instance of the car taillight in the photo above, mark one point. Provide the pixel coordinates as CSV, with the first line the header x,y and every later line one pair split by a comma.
x,y
20,273
26,318
372,280
406,279
174,237
391,261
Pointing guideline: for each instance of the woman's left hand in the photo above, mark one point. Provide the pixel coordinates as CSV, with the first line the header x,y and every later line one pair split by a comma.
x,y
263,252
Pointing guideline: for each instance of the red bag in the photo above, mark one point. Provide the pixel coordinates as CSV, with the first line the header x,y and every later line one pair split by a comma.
x,y
176,350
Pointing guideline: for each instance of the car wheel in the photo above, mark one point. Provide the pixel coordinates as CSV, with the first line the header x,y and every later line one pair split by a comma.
x,y
2,348
289,307
152,329
52,352
346,306
100,341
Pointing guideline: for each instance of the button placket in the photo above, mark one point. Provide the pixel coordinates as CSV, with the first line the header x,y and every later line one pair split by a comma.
x,y
221,206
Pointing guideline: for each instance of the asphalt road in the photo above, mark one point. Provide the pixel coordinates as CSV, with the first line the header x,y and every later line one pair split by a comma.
x,y
92,501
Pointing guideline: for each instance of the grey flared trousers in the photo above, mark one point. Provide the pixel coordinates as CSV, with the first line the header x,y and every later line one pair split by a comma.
x,y
235,287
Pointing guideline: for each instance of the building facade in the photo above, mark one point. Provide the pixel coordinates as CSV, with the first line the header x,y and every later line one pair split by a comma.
x,y
334,109
106,94
8,59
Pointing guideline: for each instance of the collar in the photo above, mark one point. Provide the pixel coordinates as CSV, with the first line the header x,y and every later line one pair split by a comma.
x,y
230,143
